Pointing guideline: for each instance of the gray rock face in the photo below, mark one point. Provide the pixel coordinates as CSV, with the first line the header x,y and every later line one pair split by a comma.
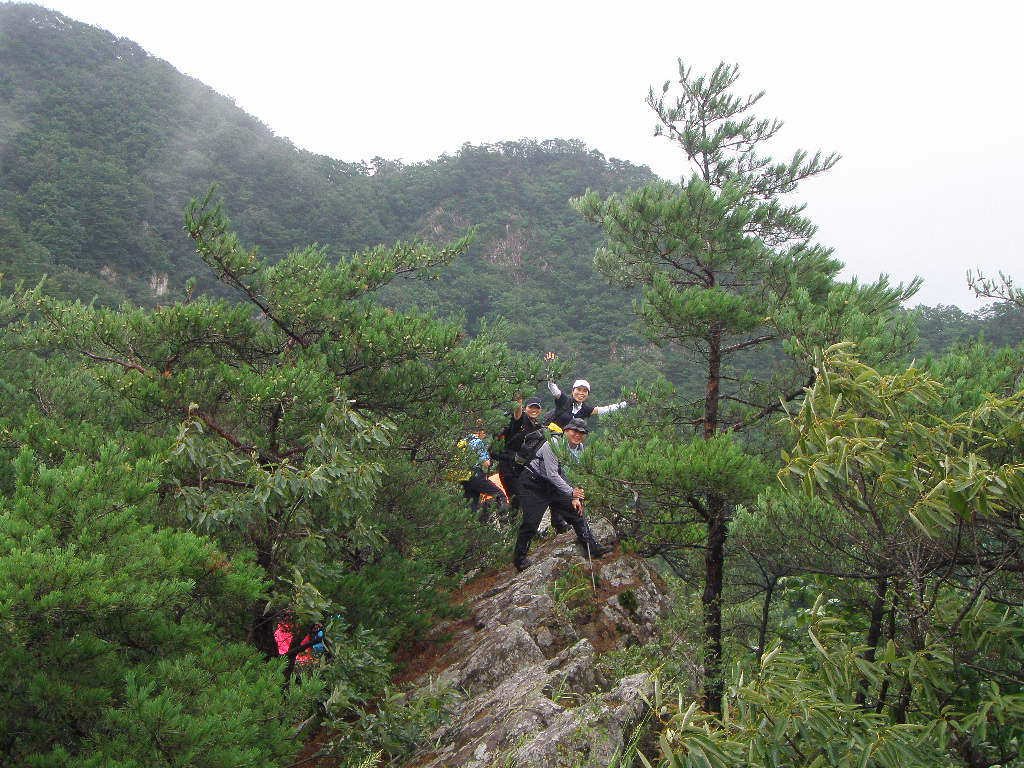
x,y
526,662
591,734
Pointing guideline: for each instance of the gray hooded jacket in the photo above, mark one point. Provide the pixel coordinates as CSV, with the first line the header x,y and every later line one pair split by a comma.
x,y
545,465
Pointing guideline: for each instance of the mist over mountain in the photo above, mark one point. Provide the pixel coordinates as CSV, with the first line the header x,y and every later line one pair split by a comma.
x,y
102,146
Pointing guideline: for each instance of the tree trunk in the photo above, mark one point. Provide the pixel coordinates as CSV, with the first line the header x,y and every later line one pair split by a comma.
x,y
712,393
714,554
883,692
264,622
714,568
877,616
762,633
874,629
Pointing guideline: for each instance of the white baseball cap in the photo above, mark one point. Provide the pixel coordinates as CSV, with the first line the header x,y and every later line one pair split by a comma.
x,y
581,383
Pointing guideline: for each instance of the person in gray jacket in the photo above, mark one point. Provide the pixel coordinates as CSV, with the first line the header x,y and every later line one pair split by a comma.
x,y
543,484
572,438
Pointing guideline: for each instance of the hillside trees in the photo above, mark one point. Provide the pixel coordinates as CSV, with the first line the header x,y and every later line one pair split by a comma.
x,y
728,268
896,488
120,644
529,263
303,416
188,476
878,447
104,145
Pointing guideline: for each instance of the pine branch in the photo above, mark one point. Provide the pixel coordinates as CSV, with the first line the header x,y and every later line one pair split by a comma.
x,y
126,365
775,408
228,481
747,343
235,441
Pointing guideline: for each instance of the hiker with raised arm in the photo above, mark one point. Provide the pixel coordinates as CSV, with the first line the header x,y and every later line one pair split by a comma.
x,y
575,405
524,419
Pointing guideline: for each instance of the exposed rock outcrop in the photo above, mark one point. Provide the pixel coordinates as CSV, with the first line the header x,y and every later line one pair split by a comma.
x,y
525,659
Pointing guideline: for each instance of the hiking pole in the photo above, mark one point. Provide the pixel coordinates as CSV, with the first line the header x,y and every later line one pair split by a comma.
x,y
590,535
593,582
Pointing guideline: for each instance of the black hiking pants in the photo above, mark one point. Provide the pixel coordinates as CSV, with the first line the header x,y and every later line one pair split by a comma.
x,y
477,484
561,510
511,483
536,495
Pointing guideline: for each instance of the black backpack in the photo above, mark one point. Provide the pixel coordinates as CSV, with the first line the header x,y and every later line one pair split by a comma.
x,y
527,448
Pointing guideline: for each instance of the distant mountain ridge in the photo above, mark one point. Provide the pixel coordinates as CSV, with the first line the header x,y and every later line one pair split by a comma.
x,y
103,145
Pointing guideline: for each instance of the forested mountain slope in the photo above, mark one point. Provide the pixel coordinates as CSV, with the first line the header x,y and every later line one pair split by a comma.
x,y
532,261
102,146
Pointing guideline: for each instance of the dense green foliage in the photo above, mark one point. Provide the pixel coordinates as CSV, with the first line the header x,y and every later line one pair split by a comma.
x,y
728,269
103,146
901,498
874,596
531,263
114,625
256,462
275,442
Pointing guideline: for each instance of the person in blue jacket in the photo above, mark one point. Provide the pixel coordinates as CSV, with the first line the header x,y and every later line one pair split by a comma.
x,y
477,482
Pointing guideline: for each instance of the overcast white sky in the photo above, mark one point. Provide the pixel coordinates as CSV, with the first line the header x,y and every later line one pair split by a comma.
x,y
922,99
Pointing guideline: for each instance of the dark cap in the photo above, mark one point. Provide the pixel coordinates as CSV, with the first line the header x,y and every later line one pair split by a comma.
x,y
578,424
532,401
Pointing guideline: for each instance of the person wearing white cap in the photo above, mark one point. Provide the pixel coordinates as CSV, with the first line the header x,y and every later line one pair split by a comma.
x,y
576,406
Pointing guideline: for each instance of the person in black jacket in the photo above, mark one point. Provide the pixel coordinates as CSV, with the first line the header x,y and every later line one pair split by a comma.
x,y
524,419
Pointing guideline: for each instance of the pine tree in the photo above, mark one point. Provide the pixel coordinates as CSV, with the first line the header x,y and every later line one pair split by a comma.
x,y
728,267
298,411
119,639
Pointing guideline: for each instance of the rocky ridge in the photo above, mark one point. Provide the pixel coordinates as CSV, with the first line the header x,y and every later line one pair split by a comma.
x,y
525,660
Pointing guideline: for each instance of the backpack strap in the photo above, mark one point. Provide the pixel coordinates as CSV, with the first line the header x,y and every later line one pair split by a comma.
x,y
525,465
